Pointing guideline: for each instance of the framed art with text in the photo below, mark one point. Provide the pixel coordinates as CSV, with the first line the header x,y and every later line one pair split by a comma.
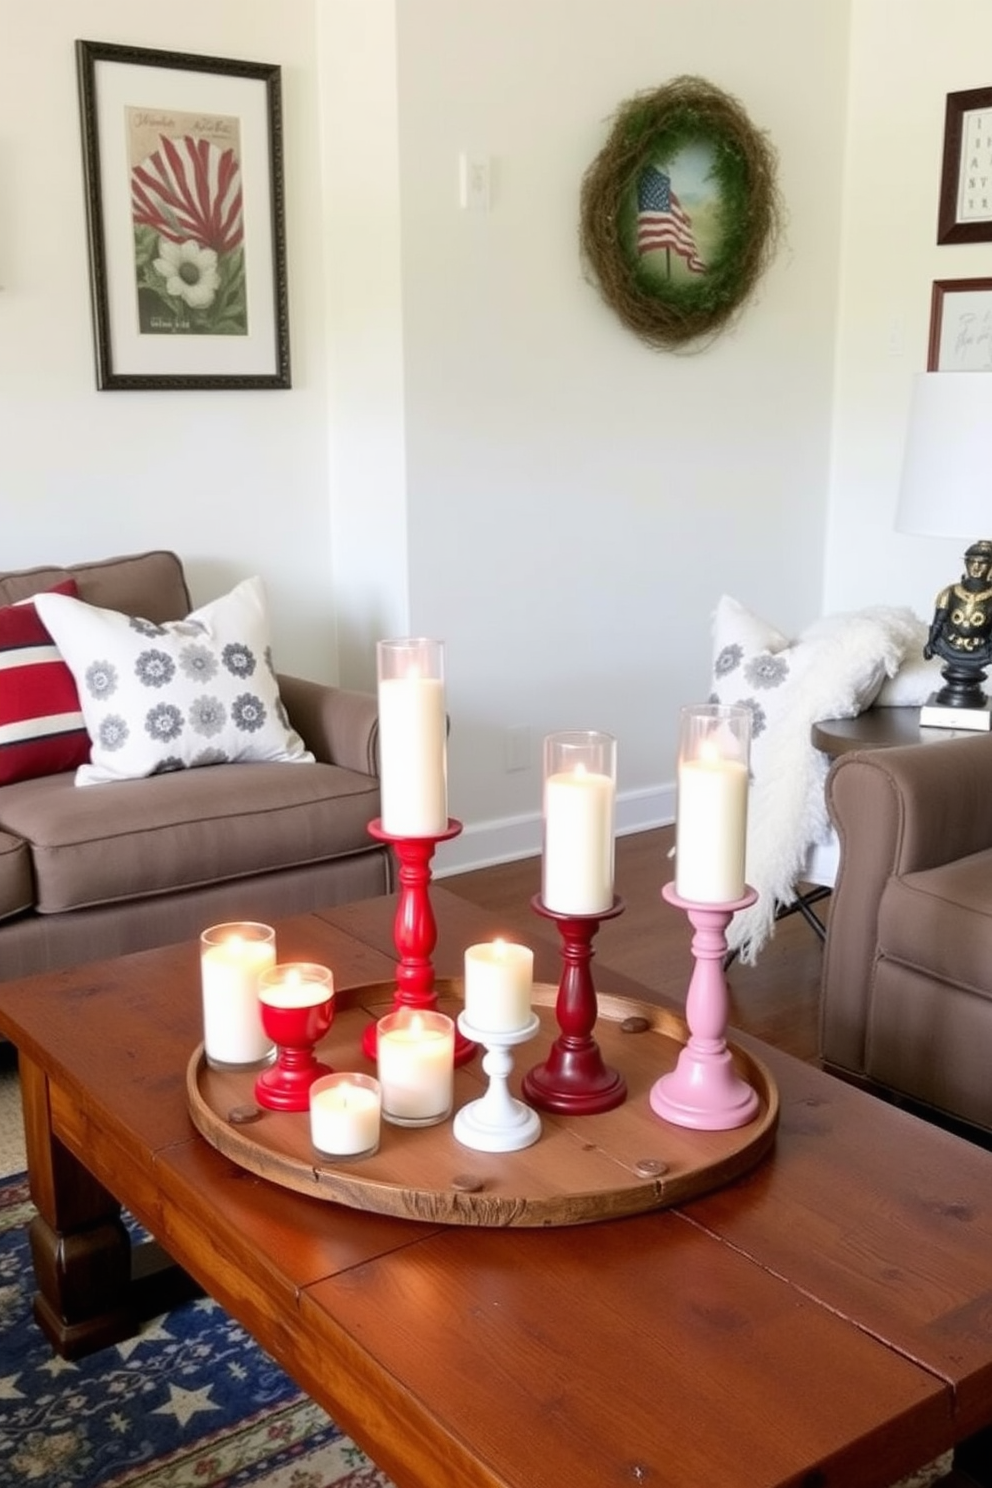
x,y
960,326
182,162
965,211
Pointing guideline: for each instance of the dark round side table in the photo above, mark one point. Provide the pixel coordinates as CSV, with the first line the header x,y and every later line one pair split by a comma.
x,y
877,728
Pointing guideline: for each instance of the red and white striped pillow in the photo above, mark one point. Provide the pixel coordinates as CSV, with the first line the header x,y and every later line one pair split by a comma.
x,y
41,724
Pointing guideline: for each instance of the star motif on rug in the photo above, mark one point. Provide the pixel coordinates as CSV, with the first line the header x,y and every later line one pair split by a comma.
x,y
8,1388
184,1404
154,1331
56,1365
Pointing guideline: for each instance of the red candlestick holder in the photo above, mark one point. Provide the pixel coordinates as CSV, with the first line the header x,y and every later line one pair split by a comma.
x,y
415,930
704,1090
574,1078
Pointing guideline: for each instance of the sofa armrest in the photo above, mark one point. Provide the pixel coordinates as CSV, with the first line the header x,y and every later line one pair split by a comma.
x,y
896,811
341,727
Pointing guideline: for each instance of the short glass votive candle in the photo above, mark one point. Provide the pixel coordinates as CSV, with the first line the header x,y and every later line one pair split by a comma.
x,y
711,802
415,1050
345,1111
413,771
233,956
580,779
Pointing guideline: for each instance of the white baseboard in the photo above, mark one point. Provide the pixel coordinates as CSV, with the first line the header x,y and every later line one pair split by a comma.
x,y
507,839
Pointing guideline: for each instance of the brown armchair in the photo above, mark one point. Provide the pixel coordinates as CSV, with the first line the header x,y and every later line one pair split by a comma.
x,y
906,1005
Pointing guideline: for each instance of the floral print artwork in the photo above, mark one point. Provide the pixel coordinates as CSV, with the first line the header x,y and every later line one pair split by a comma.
x,y
187,212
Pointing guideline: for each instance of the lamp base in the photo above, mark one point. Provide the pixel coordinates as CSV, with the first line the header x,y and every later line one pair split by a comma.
x,y
939,715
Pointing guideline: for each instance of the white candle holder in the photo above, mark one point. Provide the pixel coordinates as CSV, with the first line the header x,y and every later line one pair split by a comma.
x,y
497,1121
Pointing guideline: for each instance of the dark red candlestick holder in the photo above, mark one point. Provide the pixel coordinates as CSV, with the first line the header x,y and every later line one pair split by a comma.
x,y
415,930
574,1078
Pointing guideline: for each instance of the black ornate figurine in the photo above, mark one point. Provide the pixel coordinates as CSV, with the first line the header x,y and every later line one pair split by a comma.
x,y
961,632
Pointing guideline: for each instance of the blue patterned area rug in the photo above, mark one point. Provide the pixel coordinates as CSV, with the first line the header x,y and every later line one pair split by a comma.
x,y
191,1400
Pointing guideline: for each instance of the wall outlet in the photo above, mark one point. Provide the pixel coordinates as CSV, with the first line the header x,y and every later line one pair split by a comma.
x,y
474,182
516,748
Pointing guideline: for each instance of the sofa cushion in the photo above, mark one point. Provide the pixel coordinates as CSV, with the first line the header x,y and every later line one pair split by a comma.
x,y
940,920
152,584
162,697
41,725
16,885
184,829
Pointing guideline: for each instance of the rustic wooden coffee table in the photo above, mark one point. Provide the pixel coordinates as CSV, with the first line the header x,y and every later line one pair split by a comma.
x,y
824,1320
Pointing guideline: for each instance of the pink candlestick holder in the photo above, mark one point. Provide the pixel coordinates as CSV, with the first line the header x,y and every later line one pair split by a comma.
x,y
704,1090
574,1078
415,930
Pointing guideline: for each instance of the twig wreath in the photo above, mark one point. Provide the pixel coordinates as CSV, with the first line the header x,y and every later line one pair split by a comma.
x,y
675,275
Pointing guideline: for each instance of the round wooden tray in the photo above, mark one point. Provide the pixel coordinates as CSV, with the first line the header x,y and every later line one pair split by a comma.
x,y
581,1168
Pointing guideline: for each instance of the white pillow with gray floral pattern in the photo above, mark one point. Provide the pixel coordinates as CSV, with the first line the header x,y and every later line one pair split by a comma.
x,y
155,698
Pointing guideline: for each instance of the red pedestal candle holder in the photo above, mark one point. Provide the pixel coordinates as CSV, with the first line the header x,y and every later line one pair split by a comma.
x,y
295,1029
415,930
574,1078
704,1090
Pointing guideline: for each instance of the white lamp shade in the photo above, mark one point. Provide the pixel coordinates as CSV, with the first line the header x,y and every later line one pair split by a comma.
x,y
946,487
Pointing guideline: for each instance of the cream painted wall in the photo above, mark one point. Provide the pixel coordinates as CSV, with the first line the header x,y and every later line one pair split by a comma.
x,y
474,447
907,55
236,482
576,502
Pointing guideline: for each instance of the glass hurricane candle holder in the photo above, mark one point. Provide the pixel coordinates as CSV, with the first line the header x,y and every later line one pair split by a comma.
x,y
297,1004
580,774
232,958
415,1052
345,1111
711,805
413,772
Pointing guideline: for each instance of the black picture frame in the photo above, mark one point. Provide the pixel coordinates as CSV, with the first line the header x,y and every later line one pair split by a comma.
x,y
964,213
183,176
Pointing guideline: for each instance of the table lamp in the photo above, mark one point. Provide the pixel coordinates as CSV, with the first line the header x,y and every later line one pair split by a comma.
x,y
946,491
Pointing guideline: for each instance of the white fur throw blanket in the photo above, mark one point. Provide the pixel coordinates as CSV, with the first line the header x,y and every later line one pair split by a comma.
x,y
834,670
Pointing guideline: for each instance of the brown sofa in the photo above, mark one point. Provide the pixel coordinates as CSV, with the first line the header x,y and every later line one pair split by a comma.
x,y
94,871
907,976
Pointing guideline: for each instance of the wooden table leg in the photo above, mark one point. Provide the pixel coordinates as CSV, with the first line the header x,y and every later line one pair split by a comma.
x,y
973,1460
95,1286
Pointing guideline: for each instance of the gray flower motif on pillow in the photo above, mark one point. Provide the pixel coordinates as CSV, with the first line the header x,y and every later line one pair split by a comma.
x,y
759,718
113,732
766,670
208,757
248,712
728,660
155,668
101,680
169,765
238,659
145,627
164,722
207,716
198,663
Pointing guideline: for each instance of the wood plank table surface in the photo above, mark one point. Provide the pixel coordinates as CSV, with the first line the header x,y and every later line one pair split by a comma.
x,y
824,1320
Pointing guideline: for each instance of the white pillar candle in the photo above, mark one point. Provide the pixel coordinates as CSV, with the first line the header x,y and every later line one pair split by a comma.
x,y
413,774
344,1115
578,842
499,979
711,830
416,1061
232,958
